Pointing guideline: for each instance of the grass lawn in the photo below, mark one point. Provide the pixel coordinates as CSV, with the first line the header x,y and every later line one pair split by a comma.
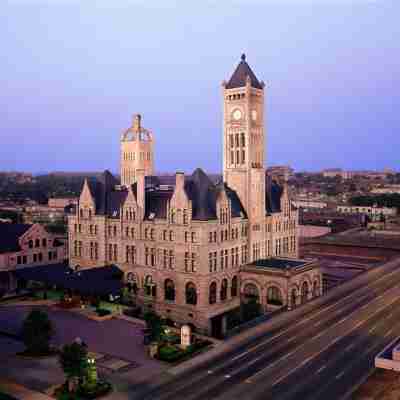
x,y
51,294
113,307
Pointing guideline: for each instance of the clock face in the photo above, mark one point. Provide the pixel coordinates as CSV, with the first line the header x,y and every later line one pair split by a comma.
x,y
237,114
253,115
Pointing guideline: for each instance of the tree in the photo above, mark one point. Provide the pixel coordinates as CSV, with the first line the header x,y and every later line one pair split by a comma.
x,y
154,323
74,361
37,331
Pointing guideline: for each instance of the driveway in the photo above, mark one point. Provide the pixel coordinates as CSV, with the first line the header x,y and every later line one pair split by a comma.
x,y
118,339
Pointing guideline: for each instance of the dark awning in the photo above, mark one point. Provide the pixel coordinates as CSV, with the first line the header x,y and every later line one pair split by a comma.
x,y
94,281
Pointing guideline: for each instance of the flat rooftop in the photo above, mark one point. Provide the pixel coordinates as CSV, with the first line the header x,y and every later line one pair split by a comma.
x,y
278,263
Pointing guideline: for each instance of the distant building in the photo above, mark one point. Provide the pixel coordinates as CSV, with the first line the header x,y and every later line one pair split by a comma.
x,y
305,203
62,202
25,245
389,189
280,173
332,172
371,211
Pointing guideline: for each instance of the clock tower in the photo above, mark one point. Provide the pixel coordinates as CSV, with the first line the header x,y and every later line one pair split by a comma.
x,y
243,146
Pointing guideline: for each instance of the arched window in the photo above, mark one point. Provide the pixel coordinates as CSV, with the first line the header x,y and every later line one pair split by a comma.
x,y
169,290
149,286
213,293
132,282
234,287
304,292
30,244
294,297
224,289
315,290
250,293
274,296
191,294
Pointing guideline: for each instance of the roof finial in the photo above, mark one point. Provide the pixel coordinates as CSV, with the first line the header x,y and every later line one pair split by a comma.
x,y
243,57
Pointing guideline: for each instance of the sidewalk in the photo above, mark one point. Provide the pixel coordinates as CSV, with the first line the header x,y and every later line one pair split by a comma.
x,y
21,392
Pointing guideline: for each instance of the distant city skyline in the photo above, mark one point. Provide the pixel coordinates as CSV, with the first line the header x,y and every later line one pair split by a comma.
x,y
74,75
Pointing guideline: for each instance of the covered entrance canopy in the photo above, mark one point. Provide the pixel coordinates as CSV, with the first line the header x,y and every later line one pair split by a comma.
x,y
94,281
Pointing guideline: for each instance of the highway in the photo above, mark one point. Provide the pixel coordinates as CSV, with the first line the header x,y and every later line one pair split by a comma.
x,y
320,354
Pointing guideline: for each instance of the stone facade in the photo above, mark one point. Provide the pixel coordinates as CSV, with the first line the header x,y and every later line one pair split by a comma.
x,y
25,245
183,244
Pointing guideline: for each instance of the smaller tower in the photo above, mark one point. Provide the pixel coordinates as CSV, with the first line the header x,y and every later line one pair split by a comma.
x,y
136,152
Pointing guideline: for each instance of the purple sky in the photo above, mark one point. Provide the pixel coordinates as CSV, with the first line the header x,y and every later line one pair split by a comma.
x,y
72,73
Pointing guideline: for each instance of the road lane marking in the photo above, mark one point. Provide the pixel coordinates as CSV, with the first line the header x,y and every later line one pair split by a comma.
x,y
321,369
227,376
240,355
314,315
326,347
209,372
388,332
349,347
323,310
338,376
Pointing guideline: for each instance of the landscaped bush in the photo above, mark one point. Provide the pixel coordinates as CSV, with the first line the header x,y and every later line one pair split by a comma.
x,y
101,389
170,353
102,312
174,353
83,392
134,312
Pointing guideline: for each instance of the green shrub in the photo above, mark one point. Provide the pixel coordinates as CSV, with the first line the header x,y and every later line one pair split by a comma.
x,y
102,312
169,353
101,389
37,331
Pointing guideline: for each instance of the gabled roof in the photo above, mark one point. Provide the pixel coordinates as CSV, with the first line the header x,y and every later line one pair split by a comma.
x,y
9,235
238,79
273,193
200,189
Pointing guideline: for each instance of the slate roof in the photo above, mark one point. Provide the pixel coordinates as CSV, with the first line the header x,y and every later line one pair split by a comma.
x,y
279,263
200,189
94,281
9,235
238,79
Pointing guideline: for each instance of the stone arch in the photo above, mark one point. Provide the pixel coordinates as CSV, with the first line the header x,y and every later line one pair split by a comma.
x,y
275,295
132,281
251,291
304,290
316,286
212,292
223,294
191,293
234,286
169,290
294,294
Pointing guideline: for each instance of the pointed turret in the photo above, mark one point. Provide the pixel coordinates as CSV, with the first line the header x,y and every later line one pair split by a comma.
x,y
242,72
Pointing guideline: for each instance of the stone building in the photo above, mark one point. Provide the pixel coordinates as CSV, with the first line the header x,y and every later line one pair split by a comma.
x,y
25,246
184,244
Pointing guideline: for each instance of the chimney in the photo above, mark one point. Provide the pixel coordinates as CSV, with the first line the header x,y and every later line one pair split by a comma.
x,y
140,189
179,181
